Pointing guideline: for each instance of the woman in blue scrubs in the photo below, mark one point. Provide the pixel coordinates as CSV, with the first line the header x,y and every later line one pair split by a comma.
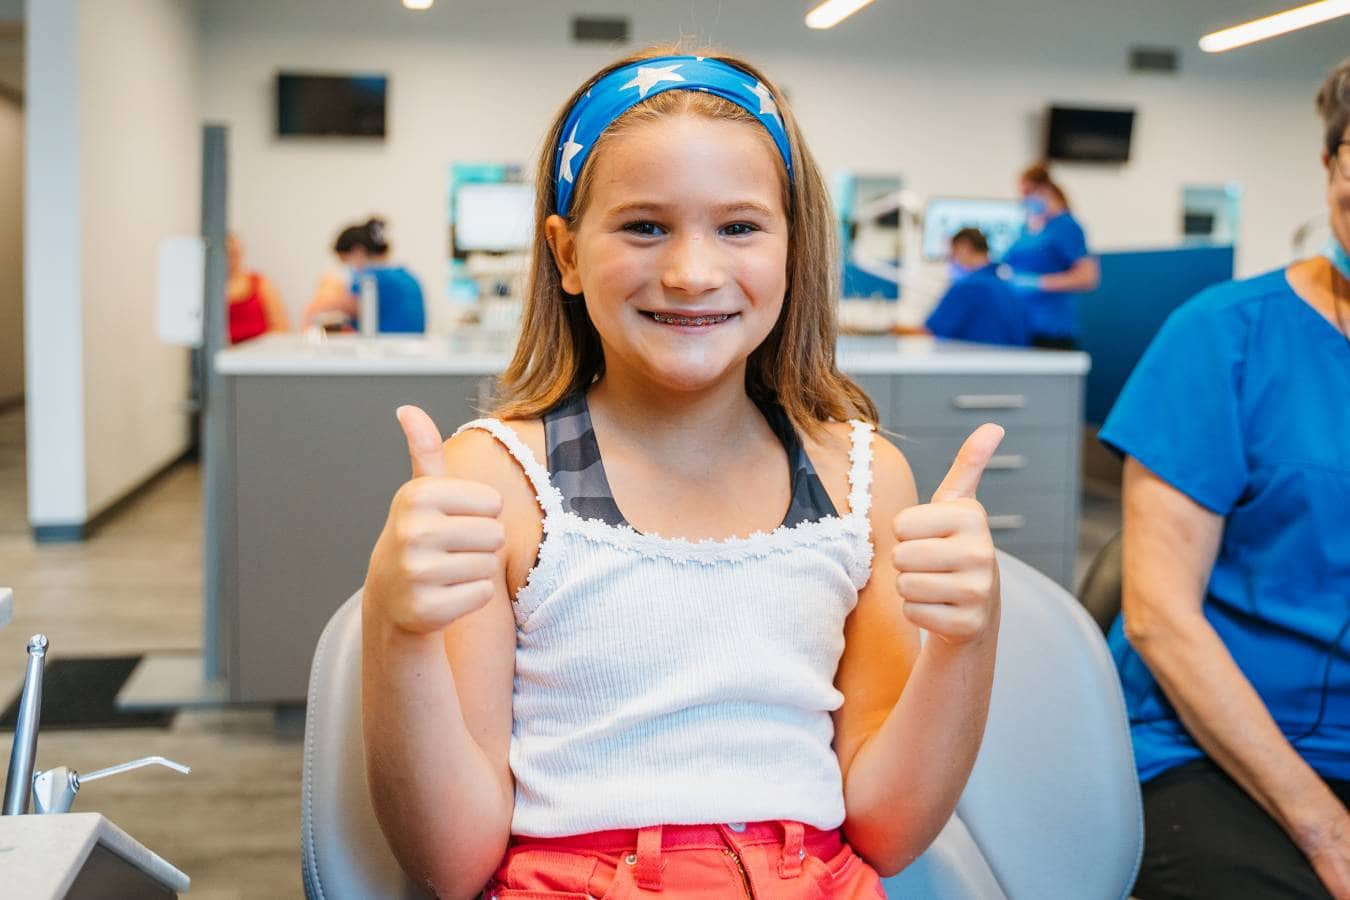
x,y
1233,645
364,252
1050,261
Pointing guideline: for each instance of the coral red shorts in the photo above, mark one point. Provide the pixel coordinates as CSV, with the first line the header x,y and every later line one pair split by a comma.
x,y
760,860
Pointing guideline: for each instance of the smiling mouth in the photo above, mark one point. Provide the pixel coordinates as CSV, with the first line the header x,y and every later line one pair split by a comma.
x,y
689,321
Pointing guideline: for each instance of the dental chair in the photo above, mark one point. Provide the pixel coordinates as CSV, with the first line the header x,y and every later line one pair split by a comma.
x,y
1051,812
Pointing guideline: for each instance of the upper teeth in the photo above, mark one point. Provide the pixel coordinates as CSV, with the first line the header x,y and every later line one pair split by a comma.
x,y
690,320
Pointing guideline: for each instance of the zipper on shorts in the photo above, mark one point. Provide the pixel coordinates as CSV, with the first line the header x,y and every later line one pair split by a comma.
x,y
745,876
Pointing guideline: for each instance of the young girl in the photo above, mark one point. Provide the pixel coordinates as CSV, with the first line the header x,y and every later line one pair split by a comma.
x,y
655,630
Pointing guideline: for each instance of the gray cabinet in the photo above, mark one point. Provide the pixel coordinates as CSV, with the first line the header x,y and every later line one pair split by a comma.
x,y
316,461
315,455
1031,486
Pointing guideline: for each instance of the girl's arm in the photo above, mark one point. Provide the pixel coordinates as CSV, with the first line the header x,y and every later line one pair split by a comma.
x,y
1170,546
438,657
910,727
277,318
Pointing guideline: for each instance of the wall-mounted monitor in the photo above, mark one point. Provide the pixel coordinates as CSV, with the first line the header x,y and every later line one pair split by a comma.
x,y
1089,135
343,105
1000,220
497,218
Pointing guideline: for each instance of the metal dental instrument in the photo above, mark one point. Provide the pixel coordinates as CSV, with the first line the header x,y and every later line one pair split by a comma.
x,y
19,782
54,790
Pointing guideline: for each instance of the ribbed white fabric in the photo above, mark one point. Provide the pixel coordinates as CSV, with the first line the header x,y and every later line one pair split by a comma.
x,y
666,681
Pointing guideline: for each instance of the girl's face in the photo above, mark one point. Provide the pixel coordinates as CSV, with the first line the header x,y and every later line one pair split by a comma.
x,y
681,253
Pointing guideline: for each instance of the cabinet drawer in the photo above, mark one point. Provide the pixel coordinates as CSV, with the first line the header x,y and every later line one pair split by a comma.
x,y
1038,517
1028,459
964,401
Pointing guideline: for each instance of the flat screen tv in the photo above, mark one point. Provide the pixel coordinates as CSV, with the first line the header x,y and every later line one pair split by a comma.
x,y
346,105
999,220
1089,135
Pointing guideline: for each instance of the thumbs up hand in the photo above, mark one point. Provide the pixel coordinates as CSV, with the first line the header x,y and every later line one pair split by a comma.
x,y
436,559
946,572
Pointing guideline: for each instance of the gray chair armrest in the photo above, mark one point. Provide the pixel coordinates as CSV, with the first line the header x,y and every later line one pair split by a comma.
x,y
344,853
1053,801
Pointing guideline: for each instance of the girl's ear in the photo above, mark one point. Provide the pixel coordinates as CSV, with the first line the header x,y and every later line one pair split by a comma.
x,y
563,245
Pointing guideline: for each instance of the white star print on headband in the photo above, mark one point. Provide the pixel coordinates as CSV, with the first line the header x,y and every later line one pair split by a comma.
x,y
618,91
648,77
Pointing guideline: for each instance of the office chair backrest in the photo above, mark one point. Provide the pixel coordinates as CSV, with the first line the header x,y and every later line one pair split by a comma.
x,y
1100,592
1052,810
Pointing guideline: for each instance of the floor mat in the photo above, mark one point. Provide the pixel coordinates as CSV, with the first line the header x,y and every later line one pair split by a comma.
x,y
81,692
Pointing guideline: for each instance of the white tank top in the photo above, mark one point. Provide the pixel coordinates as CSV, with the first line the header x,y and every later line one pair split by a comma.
x,y
661,681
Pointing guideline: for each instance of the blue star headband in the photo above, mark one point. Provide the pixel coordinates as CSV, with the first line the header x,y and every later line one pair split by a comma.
x,y
624,88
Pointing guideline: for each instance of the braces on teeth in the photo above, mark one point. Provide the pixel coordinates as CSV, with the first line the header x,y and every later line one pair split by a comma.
x,y
685,320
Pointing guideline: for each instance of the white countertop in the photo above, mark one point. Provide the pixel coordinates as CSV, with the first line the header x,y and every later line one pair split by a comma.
x,y
40,856
485,353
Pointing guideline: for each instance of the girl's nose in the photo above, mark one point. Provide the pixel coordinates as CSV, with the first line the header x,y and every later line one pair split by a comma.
x,y
693,266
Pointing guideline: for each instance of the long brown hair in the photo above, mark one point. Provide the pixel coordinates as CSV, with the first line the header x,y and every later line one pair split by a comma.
x,y
1038,175
559,350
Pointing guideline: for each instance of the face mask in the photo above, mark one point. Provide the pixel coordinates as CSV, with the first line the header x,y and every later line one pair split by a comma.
x,y
1035,206
1336,253
956,271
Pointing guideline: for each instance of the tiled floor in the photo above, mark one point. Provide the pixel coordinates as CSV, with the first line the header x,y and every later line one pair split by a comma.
x,y
234,824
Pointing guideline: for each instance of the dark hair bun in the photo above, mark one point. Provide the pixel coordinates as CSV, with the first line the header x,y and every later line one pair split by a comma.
x,y
375,228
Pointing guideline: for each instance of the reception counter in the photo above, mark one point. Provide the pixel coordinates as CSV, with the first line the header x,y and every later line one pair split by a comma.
x,y
313,454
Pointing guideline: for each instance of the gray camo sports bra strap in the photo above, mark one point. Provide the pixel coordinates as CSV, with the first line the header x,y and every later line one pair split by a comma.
x,y
576,470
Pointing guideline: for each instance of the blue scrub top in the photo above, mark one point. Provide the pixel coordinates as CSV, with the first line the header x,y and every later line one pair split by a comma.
x,y
984,308
1053,249
400,299
1240,403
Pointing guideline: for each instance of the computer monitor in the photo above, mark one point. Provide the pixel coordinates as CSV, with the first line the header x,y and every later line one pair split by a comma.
x,y
1000,220
495,217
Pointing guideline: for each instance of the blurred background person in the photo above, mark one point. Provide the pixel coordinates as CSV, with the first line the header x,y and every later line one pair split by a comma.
x,y
1232,644
363,251
255,307
1050,261
978,306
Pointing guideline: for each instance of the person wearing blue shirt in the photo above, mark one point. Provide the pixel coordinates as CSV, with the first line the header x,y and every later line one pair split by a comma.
x,y
1234,641
978,306
1050,261
364,252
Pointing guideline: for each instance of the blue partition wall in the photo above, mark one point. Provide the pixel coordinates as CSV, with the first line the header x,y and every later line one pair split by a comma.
x,y
1138,290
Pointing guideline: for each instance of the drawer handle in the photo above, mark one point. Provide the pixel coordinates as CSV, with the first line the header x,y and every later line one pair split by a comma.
x,y
1007,523
990,401
1006,462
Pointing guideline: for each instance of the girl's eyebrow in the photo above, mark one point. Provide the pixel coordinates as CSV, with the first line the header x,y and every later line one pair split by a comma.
x,y
723,209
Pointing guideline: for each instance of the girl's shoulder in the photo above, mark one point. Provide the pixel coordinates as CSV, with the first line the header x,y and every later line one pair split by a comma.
x,y
497,449
506,455
832,453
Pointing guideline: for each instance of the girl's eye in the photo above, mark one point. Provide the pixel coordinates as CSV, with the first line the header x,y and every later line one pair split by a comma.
x,y
645,229
739,228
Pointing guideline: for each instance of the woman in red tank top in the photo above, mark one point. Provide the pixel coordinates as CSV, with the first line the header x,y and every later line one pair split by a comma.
x,y
254,305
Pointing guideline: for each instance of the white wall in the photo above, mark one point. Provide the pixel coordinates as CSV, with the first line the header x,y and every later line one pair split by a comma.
x,y
140,165
946,92
11,250
114,154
